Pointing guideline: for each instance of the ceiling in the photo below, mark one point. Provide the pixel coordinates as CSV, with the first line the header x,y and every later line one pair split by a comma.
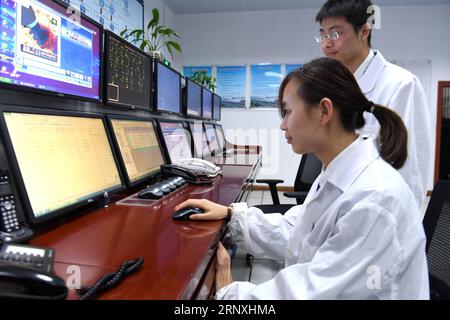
x,y
209,6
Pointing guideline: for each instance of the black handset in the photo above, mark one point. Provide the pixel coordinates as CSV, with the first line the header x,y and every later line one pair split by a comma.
x,y
10,228
173,169
189,176
26,273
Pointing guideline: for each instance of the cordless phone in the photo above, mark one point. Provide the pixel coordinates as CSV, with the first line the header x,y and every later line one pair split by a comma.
x,y
10,228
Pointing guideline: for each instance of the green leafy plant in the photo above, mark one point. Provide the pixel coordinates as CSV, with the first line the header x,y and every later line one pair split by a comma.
x,y
203,79
154,38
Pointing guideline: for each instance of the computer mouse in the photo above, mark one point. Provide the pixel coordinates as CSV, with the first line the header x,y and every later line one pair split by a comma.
x,y
150,193
185,213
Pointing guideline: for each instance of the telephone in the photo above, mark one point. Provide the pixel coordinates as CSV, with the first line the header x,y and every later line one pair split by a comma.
x,y
200,167
26,273
187,175
10,228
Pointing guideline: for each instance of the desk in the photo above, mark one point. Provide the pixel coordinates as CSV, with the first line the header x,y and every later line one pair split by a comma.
x,y
179,256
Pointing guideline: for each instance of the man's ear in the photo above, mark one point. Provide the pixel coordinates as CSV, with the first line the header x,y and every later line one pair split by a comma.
x,y
365,31
326,110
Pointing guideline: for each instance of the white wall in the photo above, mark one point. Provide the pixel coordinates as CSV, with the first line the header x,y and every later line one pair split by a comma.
x,y
287,36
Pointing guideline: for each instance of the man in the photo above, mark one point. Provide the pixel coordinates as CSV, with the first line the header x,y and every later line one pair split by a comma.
x,y
345,35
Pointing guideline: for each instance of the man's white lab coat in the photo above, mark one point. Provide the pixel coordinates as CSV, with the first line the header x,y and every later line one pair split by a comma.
x,y
392,86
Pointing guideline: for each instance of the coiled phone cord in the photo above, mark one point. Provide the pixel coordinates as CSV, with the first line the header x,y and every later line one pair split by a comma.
x,y
110,280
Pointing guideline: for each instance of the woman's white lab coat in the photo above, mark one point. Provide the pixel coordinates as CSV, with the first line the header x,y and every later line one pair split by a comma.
x,y
392,86
359,236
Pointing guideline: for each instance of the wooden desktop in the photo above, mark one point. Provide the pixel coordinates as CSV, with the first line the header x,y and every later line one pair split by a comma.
x,y
178,255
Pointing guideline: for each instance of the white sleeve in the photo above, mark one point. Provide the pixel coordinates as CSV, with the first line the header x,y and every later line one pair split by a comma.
x,y
339,268
411,104
262,235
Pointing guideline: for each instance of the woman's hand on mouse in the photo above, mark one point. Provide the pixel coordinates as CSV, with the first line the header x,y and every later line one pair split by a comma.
x,y
213,211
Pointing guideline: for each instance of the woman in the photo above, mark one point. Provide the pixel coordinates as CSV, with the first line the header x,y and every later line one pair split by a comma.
x,y
359,233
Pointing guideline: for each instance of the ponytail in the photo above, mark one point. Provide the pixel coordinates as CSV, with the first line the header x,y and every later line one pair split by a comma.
x,y
393,136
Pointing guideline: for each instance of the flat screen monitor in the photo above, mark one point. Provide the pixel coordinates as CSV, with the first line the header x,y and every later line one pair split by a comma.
x,y
217,107
220,136
43,48
175,138
201,147
193,98
128,74
213,141
206,103
139,148
63,161
167,89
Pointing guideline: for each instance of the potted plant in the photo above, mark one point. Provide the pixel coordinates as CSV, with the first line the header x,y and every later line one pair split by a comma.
x,y
154,38
203,79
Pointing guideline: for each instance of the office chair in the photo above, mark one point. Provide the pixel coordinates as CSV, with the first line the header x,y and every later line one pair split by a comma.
x,y
308,170
437,229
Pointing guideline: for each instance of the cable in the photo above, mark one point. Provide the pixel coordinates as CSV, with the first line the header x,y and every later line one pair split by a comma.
x,y
110,280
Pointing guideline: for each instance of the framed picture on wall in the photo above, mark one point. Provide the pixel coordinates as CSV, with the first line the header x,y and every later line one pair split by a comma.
x,y
231,86
189,71
292,67
265,82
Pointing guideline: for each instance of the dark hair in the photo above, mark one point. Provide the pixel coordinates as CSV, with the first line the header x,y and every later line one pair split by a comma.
x,y
328,78
354,11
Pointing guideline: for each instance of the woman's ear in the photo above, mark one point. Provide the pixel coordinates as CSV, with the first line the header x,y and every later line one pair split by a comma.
x,y
326,110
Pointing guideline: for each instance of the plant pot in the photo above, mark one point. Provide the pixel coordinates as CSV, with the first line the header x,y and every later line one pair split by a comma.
x,y
157,54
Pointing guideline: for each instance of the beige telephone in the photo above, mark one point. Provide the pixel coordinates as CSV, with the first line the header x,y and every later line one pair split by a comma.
x,y
199,167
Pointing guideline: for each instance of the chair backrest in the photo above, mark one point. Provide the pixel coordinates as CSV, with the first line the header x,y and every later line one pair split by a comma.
x,y
308,170
437,229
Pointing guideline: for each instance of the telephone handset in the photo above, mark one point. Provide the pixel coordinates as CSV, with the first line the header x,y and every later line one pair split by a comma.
x,y
200,167
26,273
173,169
187,175
10,228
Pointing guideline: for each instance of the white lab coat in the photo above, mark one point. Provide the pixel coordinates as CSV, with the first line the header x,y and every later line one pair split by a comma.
x,y
392,86
360,236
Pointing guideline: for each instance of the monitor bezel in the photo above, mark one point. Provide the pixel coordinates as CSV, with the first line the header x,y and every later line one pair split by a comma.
x,y
190,124
219,127
185,104
14,164
155,89
50,93
212,106
144,178
214,152
161,134
108,34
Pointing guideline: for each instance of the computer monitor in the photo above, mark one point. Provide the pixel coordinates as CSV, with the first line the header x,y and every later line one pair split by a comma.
x,y
217,107
44,49
207,104
213,141
128,74
193,98
167,89
200,145
176,140
220,136
62,161
139,148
